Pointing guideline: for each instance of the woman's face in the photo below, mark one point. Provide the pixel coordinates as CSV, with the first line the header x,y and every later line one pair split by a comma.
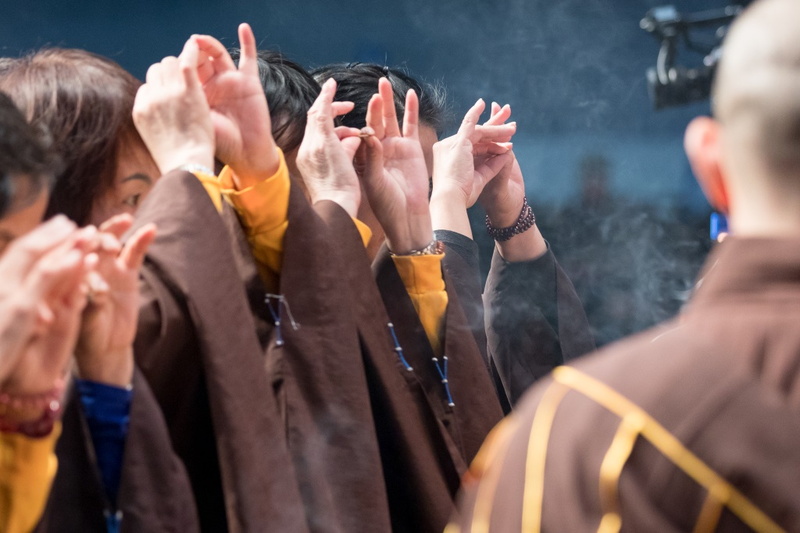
x,y
135,175
21,221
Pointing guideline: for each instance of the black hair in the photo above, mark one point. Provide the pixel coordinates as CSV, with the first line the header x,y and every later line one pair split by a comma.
x,y
27,164
290,92
357,82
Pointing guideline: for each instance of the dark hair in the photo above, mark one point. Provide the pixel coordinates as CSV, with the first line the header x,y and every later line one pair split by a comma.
x,y
290,92
26,162
357,82
85,102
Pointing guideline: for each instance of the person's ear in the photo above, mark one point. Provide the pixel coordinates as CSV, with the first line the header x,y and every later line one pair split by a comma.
x,y
702,143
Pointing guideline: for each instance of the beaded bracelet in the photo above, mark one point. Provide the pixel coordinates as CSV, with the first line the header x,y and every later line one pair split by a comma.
x,y
524,222
434,248
14,407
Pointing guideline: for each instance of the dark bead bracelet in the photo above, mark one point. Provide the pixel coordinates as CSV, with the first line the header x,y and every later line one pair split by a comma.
x,y
524,222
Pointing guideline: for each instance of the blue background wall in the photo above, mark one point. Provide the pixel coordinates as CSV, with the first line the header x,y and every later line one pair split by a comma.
x,y
573,71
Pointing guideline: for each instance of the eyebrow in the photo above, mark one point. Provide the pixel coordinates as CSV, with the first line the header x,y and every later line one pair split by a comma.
x,y
138,176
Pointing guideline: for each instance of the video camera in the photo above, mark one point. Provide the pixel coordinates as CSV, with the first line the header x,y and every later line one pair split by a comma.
x,y
670,85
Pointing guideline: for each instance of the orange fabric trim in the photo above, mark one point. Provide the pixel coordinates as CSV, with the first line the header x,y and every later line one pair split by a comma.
x,y
533,491
611,470
666,443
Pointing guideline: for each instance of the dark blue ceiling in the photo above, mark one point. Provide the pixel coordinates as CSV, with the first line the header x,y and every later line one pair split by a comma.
x,y
565,65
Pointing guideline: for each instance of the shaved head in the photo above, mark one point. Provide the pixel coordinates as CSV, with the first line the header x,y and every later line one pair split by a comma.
x,y
757,91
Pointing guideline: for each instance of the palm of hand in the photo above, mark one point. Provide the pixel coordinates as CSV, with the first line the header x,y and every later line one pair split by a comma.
x,y
405,181
237,107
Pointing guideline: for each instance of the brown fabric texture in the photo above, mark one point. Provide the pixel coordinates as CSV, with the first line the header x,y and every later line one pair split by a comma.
x,y
198,348
154,493
421,464
477,408
534,321
317,373
723,378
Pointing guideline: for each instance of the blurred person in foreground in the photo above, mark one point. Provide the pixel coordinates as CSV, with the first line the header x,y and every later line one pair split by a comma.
x,y
66,292
41,300
84,102
691,426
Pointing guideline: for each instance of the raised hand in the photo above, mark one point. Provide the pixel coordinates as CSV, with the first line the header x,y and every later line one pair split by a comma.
x,y
503,196
239,109
172,115
42,297
395,177
104,351
465,162
325,157
502,199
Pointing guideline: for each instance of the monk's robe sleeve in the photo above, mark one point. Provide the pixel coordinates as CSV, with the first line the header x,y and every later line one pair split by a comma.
x,y
422,277
27,469
263,210
212,187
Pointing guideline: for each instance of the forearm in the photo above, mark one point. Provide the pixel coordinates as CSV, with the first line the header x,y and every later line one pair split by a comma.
x,y
525,246
263,209
449,212
414,233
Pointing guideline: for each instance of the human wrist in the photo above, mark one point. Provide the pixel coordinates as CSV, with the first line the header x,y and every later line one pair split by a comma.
x,y
250,173
347,200
201,157
449,194
449,215
114,367
32,415
526,246
503,211
416,235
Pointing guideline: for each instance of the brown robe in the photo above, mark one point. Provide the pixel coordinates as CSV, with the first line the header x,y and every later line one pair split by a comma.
x,y
703,413
477,408
154,492
534,321
422,463
318,376
274,423
197,346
